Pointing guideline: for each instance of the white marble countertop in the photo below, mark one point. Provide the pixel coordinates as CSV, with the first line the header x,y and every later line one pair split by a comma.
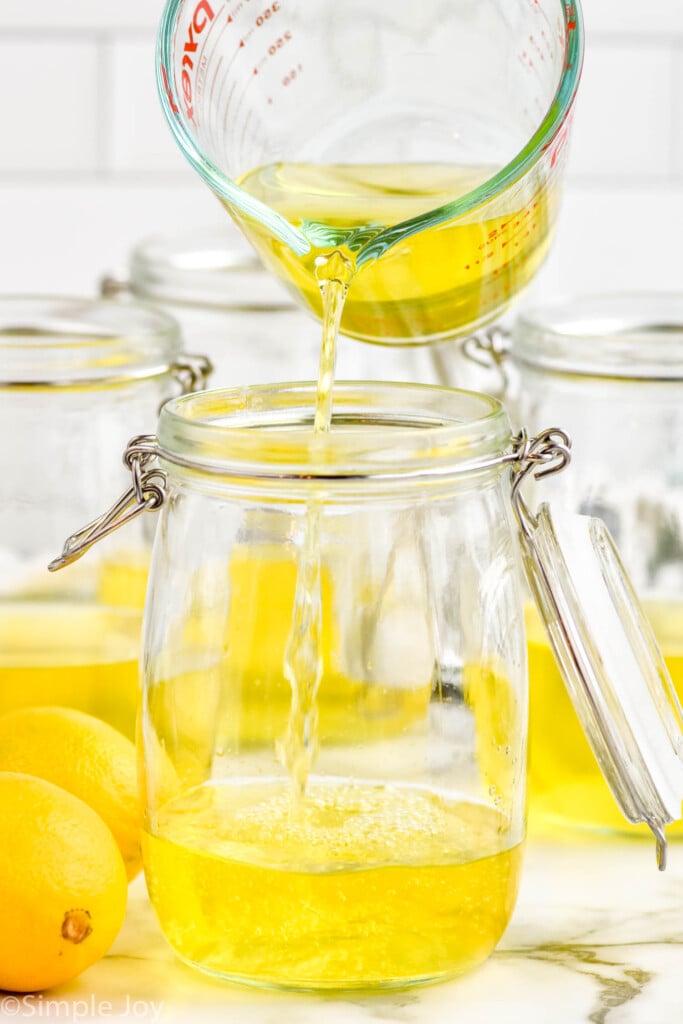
x,y
597,937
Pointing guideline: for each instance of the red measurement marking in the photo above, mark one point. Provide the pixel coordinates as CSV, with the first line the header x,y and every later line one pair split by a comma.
x,y
267,14
279,43
292,75
238,8
203,16
169,91
558,143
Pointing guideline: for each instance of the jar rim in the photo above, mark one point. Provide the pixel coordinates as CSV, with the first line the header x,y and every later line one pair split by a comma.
x,y
624,336
407,431
209,267
65,341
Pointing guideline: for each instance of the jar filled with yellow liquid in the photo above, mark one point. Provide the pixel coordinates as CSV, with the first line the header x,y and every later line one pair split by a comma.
x,y
334,717
610,369
75,376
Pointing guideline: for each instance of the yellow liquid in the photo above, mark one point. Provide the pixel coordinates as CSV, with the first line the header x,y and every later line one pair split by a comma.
x,y
321,883
70,655
566,785
248,700
79,654
122,581
436,283
303,656
366,885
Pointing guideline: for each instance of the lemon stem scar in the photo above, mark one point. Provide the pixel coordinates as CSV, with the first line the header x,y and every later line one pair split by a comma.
x,y
76,926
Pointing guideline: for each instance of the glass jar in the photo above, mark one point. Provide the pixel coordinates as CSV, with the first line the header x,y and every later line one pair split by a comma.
x,y
408,716
74,375
334,716
230,307
610,369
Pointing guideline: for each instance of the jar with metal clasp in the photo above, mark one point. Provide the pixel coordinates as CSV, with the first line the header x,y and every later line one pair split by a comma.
x,y
610,368
75,375
334,719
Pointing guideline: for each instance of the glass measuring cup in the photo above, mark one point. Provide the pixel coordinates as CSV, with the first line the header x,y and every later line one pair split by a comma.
x,y
427,145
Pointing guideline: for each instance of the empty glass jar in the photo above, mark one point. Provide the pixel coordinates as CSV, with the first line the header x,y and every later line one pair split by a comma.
x,y
610,369
74,375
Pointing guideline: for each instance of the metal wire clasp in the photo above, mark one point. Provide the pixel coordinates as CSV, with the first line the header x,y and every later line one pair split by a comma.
x,y
490,349
192,373
146,493
547,453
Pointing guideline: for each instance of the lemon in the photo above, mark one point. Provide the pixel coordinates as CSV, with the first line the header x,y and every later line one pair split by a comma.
x,y
85,756
63,885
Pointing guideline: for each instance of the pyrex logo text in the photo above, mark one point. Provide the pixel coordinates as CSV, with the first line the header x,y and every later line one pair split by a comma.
x,y
203,16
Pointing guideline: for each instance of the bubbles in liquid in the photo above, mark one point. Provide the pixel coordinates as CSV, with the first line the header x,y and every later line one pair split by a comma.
x,y
367,884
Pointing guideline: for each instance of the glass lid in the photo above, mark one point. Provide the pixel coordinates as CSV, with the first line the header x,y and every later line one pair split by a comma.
x,y
57,341
627,336
609,659
212,267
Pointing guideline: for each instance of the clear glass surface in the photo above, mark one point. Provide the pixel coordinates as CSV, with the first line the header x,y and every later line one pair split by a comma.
x,y
610,369
402,706
76,376
428,145
231,309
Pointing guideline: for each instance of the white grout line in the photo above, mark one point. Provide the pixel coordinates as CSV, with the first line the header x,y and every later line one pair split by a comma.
x,y
103,105
676,133
78,179
80,34
640,40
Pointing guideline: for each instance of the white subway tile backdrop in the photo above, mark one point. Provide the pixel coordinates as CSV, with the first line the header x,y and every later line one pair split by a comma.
x,y
88,167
